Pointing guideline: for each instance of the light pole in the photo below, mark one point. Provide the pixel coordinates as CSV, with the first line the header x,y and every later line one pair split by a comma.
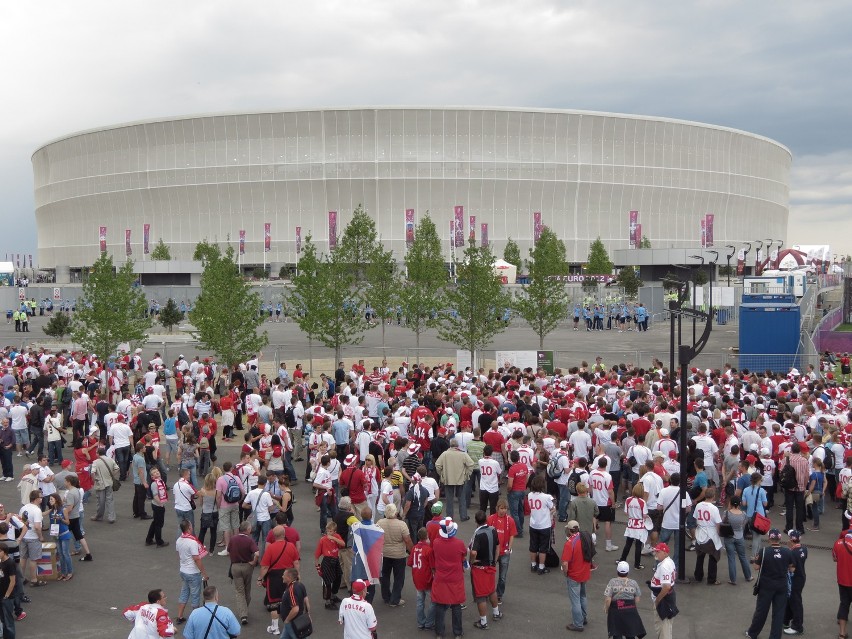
x,y
745,257
728,257
769,252
780,246
757,256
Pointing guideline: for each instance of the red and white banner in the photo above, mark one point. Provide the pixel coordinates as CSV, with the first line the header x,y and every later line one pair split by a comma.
x,y
758,260
708,230
298,240
127,249
146,238
332,230
472,233
741,262
459,226
703,232
267,237
537,226
631,229
484,234
102,238
242,242
409,227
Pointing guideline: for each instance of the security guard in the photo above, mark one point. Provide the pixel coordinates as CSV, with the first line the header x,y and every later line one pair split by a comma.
x,y
775,563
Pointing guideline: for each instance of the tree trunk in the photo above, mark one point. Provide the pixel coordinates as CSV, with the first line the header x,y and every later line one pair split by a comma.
x,y
311,356
417,346
541,341
336,355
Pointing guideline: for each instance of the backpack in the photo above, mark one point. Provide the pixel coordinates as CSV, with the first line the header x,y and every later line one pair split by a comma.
x,y
787,478
573,480
290,417
828,461
232,494
553,469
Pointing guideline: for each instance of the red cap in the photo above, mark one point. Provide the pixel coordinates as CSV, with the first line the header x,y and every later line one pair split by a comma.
x,y
66,463
661,547
672,454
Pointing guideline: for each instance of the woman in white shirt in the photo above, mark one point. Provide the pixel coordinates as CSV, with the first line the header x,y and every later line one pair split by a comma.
x,y
636,533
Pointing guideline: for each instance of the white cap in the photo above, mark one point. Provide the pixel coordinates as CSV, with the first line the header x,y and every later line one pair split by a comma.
x,y
622,568
664,432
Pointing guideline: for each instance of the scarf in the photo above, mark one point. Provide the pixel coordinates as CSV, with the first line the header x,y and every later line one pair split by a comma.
x,y
202,550
162,491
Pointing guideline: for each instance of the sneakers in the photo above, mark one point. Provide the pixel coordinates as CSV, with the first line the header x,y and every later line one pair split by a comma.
x,y
647,550
533,568
180,620
222,553
21,616
610,548
498,616
574,628
543,571
793,631
86,558
272,630
244,621
401,603
480,625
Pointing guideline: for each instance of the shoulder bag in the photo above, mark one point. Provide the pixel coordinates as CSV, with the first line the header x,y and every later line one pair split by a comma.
x,y
725,529
756,588
116,484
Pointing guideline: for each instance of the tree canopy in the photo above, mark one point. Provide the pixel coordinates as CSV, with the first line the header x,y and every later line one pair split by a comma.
x,y
111,310
382,285
161,252
226,314
425,276
206,251
359,241
511,253
170,315
543,303
598,262
629,280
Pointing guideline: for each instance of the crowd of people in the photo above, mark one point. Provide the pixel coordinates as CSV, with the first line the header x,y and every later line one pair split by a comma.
x,y
401,458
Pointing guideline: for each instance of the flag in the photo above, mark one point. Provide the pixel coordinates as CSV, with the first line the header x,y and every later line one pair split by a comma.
x,y
298,240
741,261
757,261
484,234
146,238
459,226
332,230
127,249
102,238
267,237
536,226
409,227
703,232
472,232
631,229
369,544
708,230
242,242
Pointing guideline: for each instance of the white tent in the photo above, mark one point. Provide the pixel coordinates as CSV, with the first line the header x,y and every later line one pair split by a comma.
x,y
507,272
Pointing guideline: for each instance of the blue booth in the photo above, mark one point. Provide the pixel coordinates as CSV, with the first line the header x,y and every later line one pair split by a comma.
x,y
770,326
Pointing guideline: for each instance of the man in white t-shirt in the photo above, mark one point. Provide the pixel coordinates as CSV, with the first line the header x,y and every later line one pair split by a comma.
x,y
259,502
121,437
356,615
31,540
662,583
652,484
710,449
192,573
603,494
184,492
489,485
563,465
581,441
667,503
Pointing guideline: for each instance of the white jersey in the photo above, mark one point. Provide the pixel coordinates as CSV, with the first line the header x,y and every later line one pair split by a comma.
x,y
489,475
357,618
540,506
600,483
150,621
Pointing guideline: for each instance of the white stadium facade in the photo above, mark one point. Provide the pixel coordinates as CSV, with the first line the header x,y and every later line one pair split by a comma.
x,y
264,174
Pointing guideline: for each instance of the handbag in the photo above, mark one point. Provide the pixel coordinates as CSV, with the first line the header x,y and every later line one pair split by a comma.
x,y
725,529
116,484
760,524
302,625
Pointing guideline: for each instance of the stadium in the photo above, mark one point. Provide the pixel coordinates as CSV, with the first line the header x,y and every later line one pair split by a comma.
x,y
266,180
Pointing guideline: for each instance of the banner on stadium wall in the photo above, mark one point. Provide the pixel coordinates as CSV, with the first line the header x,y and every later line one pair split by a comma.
x,y
332,230
146,238
536,226
102,238
267,237
459,226
298,240
127,248
703,232
472,231
631,229
579,279
452,235
708,230
242,242
757,262
741,261
409,227
484,234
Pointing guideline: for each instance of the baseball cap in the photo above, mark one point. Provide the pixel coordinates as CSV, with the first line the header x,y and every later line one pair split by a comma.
x,y
664,432
66,463
572,525
672,454
622,568
35,466
359,585
774,533
563,444
661,547
659,453
794,534
437,508
350,459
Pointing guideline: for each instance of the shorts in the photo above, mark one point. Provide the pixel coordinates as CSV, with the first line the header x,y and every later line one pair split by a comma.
x,y
172,444
657,518
606,513
22,436
483,582
75,528
190,590
30,549
229,519
539,540
252,419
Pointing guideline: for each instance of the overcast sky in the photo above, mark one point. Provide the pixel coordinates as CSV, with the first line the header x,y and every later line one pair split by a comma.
x,y
780,69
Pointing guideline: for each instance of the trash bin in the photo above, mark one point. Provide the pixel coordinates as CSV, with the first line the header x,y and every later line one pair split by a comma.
x,y
722,316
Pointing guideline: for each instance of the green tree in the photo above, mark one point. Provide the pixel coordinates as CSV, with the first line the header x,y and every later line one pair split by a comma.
x,y
225,315
425,276
629,280
58,326
206,252
512,254
644,243
161,252
699,276
383,281
478,300
111,309
359,241
598,262
170,315
327,299
543,303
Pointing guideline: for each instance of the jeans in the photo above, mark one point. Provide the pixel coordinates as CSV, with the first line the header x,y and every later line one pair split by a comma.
x,y
189,515
190,590
391,594
63,552
577,596
564,500
425,617
327,510
54,452
288,466
8,611
261,530
122,458
193,475
287,632
6,462
455,493
667,534
735,549
502,574
817,509
440,615
140,494
516,509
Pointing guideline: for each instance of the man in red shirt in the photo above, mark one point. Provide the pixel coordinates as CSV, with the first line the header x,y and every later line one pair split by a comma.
x,y
355,481
450,555
422,567
842,555
578,571
507,530
559,428
433,526
641,426
495,439
518,475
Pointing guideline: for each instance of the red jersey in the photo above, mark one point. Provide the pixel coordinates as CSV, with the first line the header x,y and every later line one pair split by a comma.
x,y
353,478
422,565
563,415
433,527
421,433
641,426
506,529
327,547
559,428
842,552
494,439
579,569
283,553
518,475
466,413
